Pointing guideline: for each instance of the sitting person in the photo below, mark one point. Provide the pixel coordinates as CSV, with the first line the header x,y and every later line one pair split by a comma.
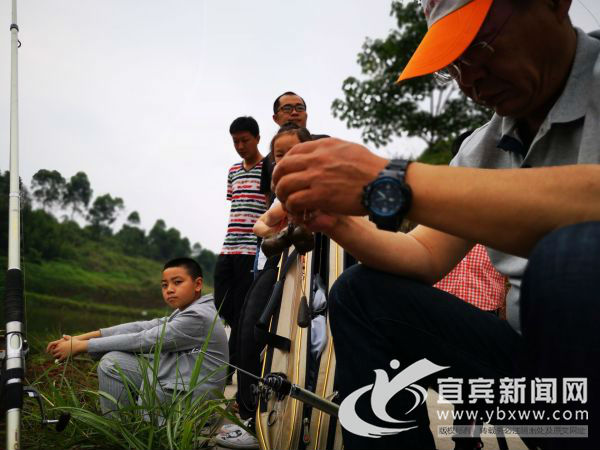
x,y
180,335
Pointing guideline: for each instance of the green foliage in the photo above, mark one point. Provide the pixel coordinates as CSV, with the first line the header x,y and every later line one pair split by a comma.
x,y
78,193
439,153
167,243
420,107
103,213
133,240
48,187
207,261
133,218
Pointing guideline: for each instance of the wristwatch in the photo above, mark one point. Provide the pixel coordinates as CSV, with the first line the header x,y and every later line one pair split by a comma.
x,y
388,197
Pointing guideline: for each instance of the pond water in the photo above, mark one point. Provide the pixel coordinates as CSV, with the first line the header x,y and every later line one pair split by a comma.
x,y
48,318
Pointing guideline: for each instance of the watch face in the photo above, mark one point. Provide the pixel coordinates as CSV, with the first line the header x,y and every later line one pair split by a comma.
x,y
385,198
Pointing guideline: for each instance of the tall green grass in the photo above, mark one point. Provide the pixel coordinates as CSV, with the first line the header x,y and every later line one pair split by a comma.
x,y
181,420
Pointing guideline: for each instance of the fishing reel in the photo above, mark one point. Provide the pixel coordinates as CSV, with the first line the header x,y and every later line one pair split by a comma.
x,y
278,384
62,421
296,235
272,384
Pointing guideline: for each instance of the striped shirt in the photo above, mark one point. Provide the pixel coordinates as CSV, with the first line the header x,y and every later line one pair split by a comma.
x,y
247,205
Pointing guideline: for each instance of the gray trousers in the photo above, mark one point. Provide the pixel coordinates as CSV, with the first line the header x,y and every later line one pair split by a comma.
x,y
113,383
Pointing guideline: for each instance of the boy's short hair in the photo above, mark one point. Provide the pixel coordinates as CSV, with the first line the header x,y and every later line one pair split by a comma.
x,y
244,123
276,102
191,266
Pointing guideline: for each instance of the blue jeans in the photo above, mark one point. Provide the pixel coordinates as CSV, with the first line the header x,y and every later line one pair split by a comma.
x,y
377,317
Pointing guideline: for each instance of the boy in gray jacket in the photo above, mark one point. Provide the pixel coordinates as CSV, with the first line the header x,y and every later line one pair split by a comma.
x,y
183,334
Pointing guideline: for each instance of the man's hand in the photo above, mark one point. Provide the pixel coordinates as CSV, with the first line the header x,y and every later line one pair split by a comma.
x,y
327,175
317,221
67,347
53,344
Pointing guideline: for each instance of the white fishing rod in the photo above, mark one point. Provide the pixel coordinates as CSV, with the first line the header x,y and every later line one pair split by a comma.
x,y
13,367
14,310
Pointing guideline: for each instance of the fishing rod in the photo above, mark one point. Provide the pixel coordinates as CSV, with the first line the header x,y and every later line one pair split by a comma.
x,y
14,310
279,384
13,364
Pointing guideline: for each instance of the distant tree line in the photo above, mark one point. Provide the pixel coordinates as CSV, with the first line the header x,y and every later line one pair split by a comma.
x,y
47,237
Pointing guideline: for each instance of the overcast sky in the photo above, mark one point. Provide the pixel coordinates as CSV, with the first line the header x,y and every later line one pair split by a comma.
x,y
139,94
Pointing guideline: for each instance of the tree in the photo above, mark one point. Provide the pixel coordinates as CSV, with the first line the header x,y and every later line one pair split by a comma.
x,y
133,239
78,193
133,218
48,187
420,107
167,243
104,212
196,249
207,261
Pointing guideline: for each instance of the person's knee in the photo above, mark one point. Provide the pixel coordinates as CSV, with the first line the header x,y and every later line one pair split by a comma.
x,y
108,364
567,250
372,292
346,287
562,271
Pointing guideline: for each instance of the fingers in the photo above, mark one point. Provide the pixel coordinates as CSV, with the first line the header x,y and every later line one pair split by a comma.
x,y
301,201
293,182
59,354
309,147
317,221
60,349
288,165
51,345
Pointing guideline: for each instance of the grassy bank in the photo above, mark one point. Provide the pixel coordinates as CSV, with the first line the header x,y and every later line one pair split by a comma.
x,y
72,387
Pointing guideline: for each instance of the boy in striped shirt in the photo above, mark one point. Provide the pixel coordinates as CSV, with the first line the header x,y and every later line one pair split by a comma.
x,y
233,270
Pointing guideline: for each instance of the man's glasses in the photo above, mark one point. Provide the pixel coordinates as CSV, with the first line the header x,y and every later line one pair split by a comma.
x,y
475,56
299,107
478,54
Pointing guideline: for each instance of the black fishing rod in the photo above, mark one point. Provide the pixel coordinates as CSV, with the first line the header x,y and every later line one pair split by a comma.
x,y
12,370
280,385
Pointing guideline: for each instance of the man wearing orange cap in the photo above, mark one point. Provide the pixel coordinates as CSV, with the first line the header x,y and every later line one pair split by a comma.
x,y
541,75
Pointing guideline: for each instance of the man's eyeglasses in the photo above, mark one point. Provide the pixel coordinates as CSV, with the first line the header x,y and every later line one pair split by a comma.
x,y
478,54
299,107
475,56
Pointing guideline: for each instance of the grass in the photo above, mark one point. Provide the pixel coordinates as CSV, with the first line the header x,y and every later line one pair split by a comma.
x,y
179,422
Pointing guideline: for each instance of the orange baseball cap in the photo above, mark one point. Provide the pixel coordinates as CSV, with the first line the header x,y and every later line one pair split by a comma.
x,y
453,25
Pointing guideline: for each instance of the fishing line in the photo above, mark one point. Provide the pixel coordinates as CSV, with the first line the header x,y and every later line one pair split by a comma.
x,y
589,11
283,387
